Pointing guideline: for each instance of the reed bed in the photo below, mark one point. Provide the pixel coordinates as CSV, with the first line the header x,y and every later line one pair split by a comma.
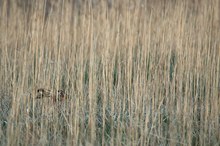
x,y
136,72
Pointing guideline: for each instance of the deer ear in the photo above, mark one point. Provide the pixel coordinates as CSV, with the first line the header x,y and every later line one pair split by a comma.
x,y
60,91
39,90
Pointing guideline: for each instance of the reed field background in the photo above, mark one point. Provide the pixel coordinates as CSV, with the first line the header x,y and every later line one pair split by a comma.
x,y
137,72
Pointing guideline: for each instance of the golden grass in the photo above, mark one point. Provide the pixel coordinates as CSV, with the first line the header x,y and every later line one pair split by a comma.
x,y
137,72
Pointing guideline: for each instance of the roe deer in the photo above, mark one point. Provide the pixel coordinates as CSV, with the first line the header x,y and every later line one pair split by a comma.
x,y
59,95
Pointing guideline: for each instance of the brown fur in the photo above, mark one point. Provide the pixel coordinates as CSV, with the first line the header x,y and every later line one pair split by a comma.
x,y
59,95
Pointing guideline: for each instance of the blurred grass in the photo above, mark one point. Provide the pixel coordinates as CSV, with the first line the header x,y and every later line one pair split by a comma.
x,y
138,72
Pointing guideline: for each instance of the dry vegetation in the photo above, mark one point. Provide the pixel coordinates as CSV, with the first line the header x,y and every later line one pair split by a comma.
x,y
137,72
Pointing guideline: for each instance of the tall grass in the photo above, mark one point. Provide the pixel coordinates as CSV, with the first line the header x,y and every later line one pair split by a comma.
x,y
137,72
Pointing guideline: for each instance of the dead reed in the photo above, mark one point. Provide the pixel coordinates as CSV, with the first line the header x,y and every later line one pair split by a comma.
x,y
136,72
